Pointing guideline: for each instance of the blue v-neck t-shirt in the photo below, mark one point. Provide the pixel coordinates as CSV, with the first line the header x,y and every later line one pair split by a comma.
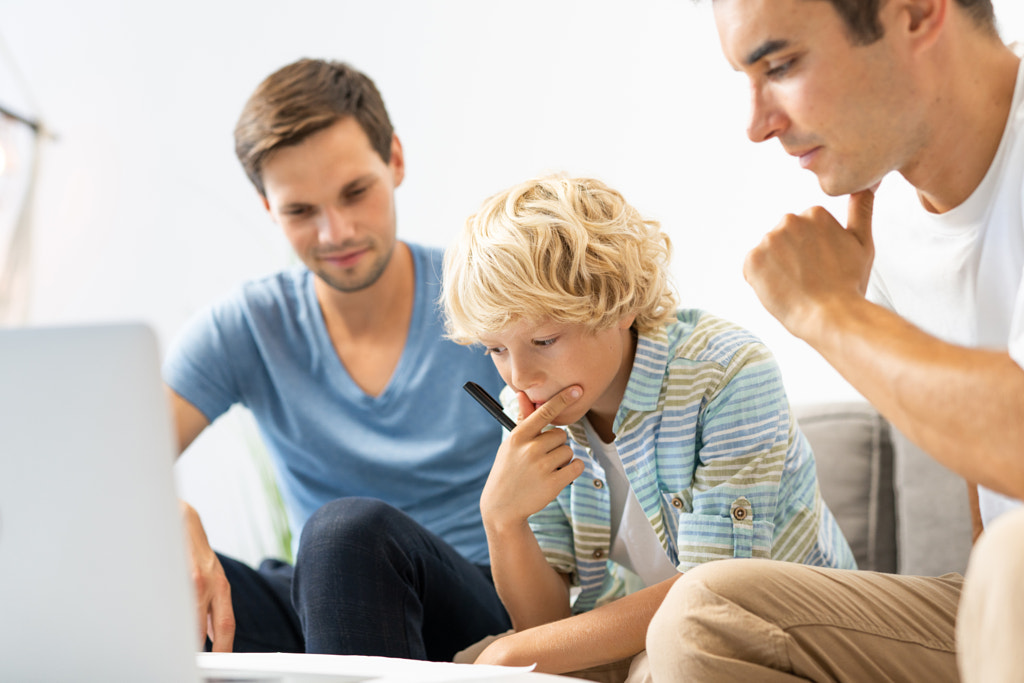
x,y
423,445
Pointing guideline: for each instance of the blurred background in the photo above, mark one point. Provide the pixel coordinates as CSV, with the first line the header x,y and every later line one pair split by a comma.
x,y
121,198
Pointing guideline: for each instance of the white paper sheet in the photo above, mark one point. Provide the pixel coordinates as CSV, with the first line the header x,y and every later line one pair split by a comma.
x,y
299,667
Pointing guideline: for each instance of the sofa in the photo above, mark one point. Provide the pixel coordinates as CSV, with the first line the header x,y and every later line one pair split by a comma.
x,y
900,510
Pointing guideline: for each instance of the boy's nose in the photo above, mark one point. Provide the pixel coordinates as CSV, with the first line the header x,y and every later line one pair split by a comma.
x,y
524,376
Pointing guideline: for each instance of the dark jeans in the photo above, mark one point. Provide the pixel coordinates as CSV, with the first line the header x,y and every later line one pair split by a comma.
x,y
368,580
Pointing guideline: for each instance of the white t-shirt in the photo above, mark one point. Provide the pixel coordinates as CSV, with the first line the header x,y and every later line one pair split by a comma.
x,y
957,275
634,545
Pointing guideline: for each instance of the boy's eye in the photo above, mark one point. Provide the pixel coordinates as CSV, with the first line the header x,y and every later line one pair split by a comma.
x,y
297,211
545,342
355,193
493,350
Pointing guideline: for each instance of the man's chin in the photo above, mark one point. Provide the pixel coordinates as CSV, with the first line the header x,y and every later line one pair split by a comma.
x,y
839,187
832,188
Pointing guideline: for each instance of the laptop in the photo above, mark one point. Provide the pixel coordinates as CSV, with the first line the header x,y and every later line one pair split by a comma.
x,y
94,583
93,580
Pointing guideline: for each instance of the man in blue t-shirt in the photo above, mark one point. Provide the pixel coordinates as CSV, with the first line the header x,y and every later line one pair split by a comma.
x,y
379,455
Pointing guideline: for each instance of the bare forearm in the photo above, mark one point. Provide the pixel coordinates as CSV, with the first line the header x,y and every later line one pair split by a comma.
x,y
531,590
977,525
606,634
963,406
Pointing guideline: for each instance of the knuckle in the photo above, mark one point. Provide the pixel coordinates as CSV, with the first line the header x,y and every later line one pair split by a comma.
x,y
788,220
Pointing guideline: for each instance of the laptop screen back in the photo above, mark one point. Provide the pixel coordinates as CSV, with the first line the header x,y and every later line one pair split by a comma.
x,y
93,578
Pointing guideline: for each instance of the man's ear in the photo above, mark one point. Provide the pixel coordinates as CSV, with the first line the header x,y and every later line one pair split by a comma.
x,y
921,21
266,205
397,162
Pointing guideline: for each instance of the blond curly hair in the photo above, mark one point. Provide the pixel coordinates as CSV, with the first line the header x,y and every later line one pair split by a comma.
x,y
569,250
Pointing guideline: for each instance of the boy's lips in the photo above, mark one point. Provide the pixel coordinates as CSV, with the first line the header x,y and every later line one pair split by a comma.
x,y
537,404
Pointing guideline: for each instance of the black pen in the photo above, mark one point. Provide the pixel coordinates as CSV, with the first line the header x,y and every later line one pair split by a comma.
x,y
489,404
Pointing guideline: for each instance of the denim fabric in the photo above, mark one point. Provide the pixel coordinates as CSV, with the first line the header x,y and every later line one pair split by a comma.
x,y
368,580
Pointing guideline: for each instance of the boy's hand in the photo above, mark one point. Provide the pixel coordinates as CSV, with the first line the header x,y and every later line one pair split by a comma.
x,y
532,465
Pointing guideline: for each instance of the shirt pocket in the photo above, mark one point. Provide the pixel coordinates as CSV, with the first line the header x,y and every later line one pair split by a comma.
x,y
700,538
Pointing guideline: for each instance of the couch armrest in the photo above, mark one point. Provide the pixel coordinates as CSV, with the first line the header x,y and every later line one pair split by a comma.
x,y
854,456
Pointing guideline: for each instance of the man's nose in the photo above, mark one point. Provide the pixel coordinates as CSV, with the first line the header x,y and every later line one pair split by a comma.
x,y
766,118
334,226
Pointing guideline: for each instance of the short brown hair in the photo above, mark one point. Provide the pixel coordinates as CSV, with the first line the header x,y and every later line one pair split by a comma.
x,y
861,17
304,98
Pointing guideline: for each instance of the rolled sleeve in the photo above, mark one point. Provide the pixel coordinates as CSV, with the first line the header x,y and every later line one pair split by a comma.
x,y
744,435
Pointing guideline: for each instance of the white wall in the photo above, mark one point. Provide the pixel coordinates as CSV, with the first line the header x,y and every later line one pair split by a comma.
x,y
144,213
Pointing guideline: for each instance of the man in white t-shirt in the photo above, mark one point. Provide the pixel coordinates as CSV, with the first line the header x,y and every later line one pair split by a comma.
x,y
856,89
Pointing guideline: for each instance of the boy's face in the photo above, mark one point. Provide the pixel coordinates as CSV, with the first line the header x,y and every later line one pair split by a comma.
x,y
333,196
846,111
541,359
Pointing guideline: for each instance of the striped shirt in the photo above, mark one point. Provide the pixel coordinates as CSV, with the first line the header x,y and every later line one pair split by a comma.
x,y
717,462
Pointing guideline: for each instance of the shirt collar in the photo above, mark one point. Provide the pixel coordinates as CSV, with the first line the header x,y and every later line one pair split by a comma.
x,y
645,379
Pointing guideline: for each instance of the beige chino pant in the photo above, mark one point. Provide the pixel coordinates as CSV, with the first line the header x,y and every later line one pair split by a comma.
x,y
775,622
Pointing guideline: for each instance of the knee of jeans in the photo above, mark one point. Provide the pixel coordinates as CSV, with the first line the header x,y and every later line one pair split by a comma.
x,y
350,523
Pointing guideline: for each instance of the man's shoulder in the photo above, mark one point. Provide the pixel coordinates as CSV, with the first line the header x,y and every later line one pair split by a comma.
x,y
427,259
275,296
282,288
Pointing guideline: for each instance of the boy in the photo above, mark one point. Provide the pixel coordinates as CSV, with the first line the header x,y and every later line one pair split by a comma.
x,y
682,447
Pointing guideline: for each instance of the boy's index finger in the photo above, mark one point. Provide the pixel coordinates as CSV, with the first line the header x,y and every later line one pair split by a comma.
x,y
543,416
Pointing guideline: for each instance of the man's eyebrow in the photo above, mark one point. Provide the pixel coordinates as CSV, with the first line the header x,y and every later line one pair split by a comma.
x,y
355,182
764,50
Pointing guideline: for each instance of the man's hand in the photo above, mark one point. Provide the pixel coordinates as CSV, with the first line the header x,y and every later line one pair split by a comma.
x,y
532,465
216,618
809,264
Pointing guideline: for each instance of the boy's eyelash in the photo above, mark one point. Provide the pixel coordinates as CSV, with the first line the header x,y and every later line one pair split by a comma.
x,y
545,342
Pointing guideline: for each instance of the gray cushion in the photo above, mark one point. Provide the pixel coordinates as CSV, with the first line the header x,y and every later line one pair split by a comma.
x,y
933,516
854,459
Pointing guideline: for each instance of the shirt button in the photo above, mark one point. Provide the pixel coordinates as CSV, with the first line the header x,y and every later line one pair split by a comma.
x,y
598,554
598,484
739,514
677,502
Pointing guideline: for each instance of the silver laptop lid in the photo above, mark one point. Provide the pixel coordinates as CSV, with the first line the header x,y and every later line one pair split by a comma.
x,y
93,578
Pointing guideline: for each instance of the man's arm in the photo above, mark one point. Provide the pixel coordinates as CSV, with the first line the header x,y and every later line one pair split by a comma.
x,y
189,421
977,525
215,615
606,634
965,407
